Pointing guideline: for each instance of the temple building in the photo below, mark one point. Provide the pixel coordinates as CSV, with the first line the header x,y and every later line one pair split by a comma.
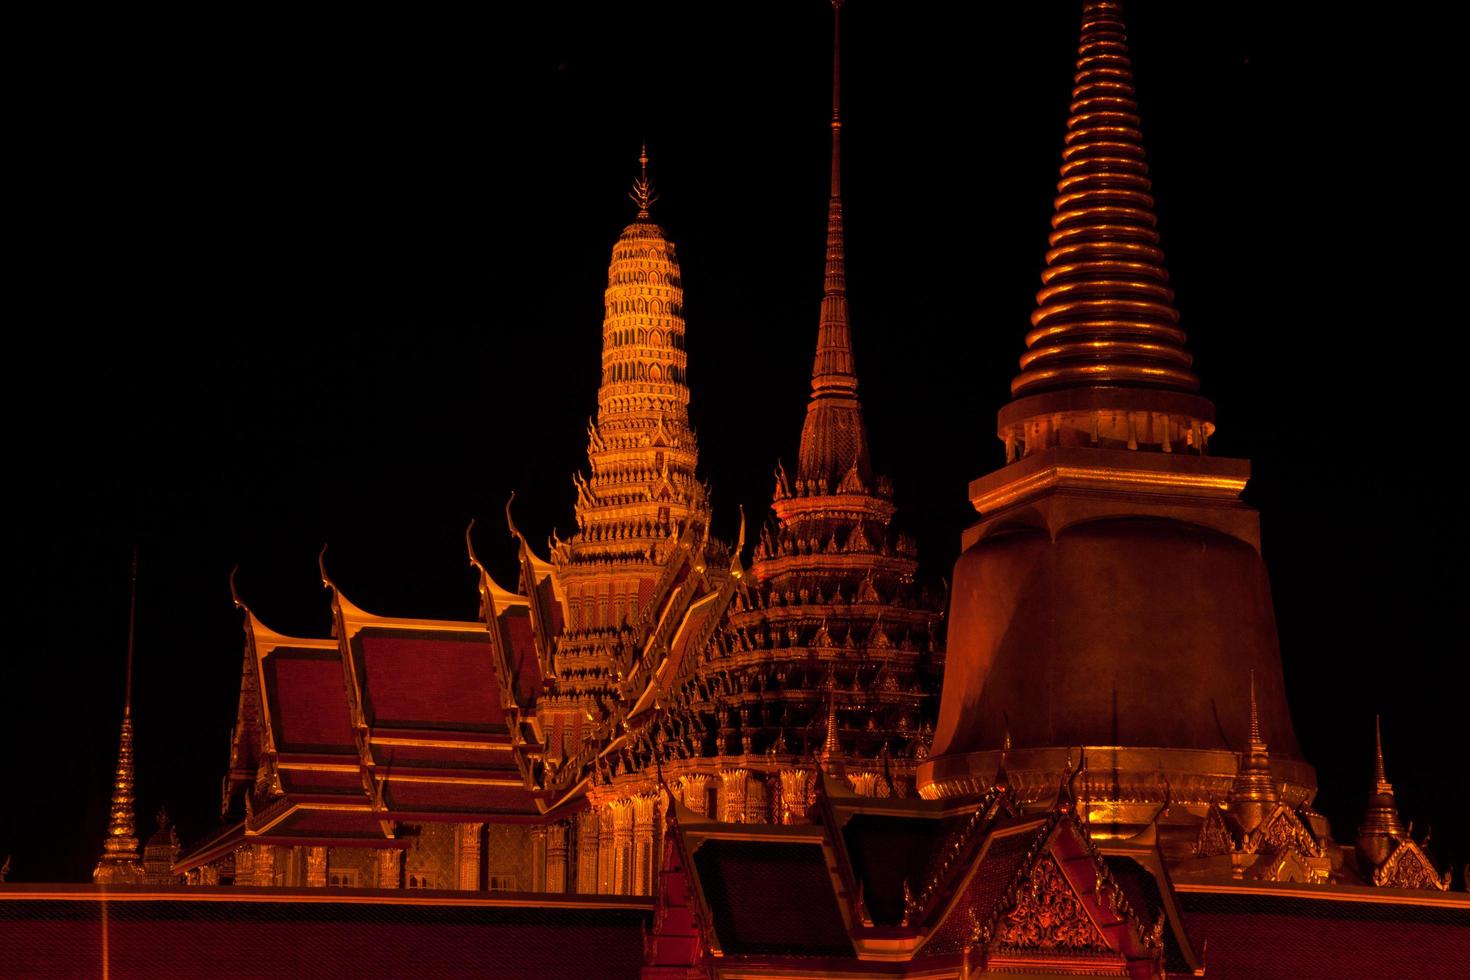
x,y
650,758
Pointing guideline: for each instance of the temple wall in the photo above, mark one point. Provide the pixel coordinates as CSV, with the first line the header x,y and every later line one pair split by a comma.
x,y
353,867
508,858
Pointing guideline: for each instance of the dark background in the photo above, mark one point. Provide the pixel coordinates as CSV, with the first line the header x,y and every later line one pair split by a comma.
x,y
284,281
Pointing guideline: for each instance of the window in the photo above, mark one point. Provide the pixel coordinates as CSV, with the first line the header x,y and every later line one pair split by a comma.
x,y
502,882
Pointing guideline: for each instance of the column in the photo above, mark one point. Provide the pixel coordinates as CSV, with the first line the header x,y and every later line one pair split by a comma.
x,y
587,827
265,865
756,809
643,806
696,793
622,846
388,863
316,867
556,857
605,856
795,801
538,859
467,857
245,865
732,795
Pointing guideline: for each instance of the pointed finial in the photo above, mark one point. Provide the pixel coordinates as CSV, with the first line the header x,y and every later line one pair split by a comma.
x,y
1380,776
643,193
831,744
1255,732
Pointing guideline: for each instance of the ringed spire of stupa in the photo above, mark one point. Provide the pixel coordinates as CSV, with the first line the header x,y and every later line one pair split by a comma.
x,y
119,862
833,439
1105,360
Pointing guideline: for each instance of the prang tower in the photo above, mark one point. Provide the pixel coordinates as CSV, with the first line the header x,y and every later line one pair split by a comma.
x,y
642,496
1111,605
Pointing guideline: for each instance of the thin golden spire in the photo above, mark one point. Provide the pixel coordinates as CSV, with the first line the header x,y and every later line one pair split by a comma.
x,y
1255,732
1380,775
831,754
643,193
1105,314
833,440
119,863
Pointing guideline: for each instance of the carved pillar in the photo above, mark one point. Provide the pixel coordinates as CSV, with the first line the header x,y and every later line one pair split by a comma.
x,y
622,846
538,859
388,861
696,793
316,867
467,857
606,859
732,795
756,808
587,827
643,807
265,865
556,857
795,798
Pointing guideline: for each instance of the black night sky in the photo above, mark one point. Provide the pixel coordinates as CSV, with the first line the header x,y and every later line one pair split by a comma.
x,y
281,281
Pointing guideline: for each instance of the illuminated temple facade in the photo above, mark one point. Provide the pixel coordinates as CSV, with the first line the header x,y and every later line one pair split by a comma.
x,y
809,765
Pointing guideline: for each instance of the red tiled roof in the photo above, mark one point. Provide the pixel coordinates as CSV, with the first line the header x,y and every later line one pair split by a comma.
x,y
455,798
519,639
314,782
429,680
307,700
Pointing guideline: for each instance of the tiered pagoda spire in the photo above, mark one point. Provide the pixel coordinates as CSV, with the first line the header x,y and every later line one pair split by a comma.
x,y
643,492
119,864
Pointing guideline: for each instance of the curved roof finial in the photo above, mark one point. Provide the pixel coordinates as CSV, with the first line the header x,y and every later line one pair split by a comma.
x,y
469,546
643,193
321,567
510,521
234,588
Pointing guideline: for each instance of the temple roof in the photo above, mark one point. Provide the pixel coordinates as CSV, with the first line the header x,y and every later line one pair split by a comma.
x,y
391,719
